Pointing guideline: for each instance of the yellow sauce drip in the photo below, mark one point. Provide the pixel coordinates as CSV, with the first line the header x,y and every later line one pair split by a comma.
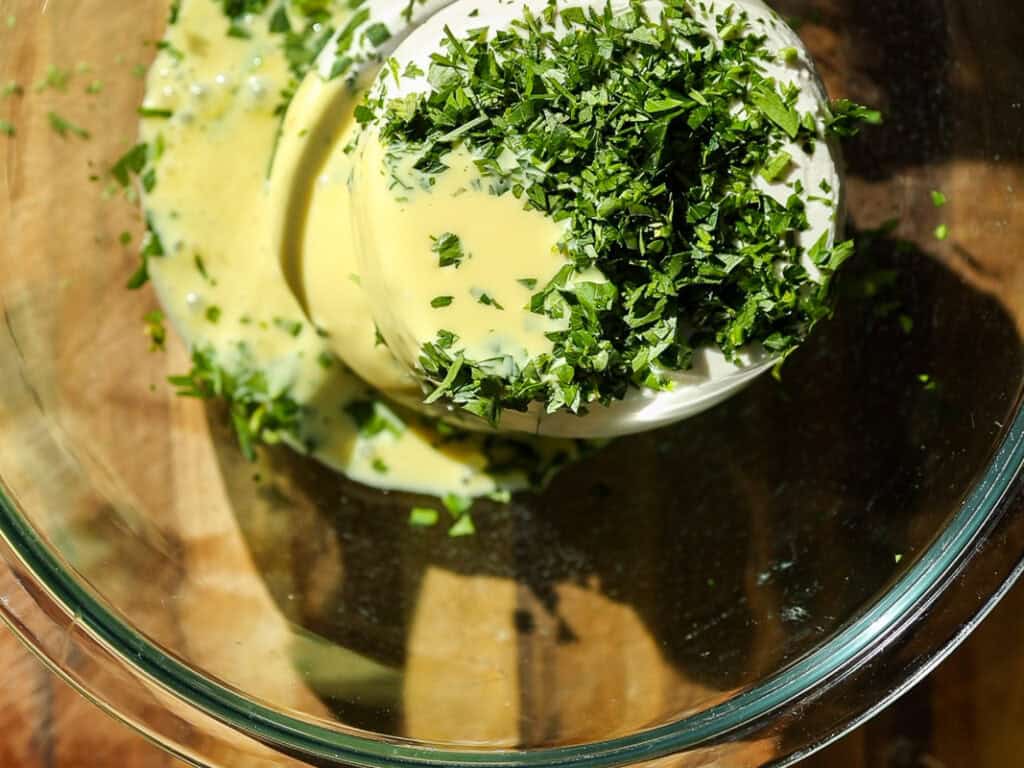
x,y
503,243
220,281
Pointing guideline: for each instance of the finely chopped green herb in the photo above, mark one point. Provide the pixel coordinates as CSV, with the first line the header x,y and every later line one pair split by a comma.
x,y
423,517
55,78
259,413
448,248
625,128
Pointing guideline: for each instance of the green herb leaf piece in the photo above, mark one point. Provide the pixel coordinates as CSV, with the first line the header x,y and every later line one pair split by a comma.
x,y
772,107
776,166
63,127
463,527
423,517
448,248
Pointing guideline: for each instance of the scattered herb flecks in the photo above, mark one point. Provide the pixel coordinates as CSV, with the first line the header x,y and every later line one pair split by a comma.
x,y
65,127
259,413
448,248
155,329
423,517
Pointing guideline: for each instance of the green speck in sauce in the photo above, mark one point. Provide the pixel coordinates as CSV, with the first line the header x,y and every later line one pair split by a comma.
x,y
463,527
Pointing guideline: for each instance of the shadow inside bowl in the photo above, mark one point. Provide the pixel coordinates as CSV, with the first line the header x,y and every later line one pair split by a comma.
x,y
660,576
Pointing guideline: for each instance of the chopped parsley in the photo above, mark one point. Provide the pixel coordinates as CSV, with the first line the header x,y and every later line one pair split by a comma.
x,y
151,247
292,327
56,79
939,199
846,118
155,113
776,166
130,164
373,418
7,128
423,517
626,129
789,55
463,527
200,263
459,508
488,301
457,505
441,301
259,413
65,127
448,248
942,232
377,34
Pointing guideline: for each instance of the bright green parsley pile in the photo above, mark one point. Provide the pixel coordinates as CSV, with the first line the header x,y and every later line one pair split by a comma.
x,y
624,126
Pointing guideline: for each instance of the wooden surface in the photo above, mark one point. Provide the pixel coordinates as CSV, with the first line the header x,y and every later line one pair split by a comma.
x,y
967,713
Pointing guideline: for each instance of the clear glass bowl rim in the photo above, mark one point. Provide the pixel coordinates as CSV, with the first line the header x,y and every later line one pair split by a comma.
x,y
854,646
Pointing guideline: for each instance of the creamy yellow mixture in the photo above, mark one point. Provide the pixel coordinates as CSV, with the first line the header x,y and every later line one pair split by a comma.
x,y
220,281
356,230
298,248
485,298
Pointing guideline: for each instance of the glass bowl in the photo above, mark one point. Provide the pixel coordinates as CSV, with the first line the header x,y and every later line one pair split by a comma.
x,y
736,590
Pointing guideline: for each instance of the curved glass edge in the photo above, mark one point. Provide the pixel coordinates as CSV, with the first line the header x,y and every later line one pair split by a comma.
x,y
60,641
928,662
9,622
865,641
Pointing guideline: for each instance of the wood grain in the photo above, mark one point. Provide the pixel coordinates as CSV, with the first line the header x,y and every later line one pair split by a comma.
x,y
967,714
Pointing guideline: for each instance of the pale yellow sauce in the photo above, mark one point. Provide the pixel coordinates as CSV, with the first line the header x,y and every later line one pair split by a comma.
x,y
212,201
503,244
